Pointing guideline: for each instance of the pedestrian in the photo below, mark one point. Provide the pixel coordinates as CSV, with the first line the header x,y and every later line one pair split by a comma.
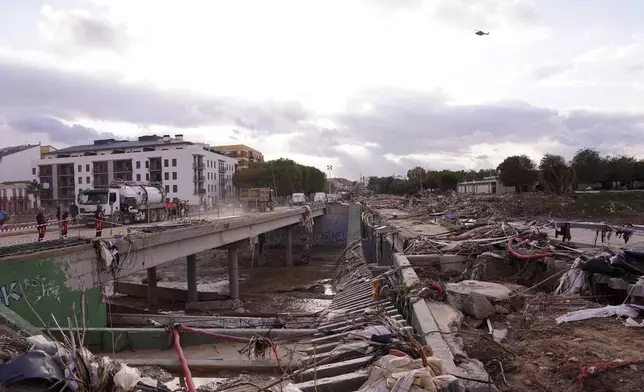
x,y
65,224
73,211
58,217
41,224
3,217
99,221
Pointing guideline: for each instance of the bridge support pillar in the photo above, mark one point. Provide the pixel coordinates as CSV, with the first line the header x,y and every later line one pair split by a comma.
x,y
289,246
233,271
153,296
192,278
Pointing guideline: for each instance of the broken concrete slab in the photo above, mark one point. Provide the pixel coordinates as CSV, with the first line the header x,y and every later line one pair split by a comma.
x,y
457,292
212,305
345,382
335,369
478,306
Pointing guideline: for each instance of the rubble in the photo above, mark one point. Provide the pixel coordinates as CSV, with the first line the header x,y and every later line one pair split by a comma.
x,y
519,283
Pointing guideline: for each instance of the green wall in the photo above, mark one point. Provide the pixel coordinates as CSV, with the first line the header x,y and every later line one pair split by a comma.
x,y
42,284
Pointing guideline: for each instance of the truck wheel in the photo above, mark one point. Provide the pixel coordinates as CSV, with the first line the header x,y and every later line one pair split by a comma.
x,y
153,215
118,219
161,215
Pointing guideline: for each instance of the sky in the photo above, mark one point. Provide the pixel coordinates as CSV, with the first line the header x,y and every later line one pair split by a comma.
x,y
369,87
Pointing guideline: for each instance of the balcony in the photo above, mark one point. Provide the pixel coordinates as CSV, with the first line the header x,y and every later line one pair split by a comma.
x,y
222,169
200,191
198,178
198,165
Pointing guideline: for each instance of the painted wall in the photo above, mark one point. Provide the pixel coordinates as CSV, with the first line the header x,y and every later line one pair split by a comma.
x,y
330,229
44,285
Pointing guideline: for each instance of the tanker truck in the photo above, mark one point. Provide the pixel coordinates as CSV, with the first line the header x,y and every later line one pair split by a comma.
x,y
124,203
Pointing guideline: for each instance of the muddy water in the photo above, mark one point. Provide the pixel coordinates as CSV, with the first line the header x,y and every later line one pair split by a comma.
x,y
269,288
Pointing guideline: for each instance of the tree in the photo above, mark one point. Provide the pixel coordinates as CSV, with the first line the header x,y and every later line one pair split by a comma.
x,y
620,169
589,166
284,175
448,180
556,175
35,190
416,177
518,171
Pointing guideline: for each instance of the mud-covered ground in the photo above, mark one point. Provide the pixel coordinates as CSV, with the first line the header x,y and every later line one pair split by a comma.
x,y
539,355
267,288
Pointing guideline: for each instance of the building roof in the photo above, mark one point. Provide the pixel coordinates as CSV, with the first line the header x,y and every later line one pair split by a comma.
x,y
236,147
14,149
111,144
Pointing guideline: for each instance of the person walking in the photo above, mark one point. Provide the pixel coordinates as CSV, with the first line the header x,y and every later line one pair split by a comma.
x,y
41,224
73,211
4,216
99,221
65,224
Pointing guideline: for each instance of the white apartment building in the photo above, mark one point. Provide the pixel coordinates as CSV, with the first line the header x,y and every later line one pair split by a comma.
x,y
188,171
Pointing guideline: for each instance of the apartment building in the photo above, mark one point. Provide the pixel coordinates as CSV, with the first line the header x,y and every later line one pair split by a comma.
x,y
244,154
15,175
189,171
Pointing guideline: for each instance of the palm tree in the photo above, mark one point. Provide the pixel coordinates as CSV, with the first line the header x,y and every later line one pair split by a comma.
x,y
36,190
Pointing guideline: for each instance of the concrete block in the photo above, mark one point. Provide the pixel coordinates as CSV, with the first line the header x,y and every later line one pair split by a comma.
x,y
618,284
457,292
334,369
346,382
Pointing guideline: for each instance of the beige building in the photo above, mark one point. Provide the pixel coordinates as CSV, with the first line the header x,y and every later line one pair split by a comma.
x,y
488,185
245,155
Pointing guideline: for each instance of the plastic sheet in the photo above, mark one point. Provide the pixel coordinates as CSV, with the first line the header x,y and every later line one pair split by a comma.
x,y
127,378
606,311
403,374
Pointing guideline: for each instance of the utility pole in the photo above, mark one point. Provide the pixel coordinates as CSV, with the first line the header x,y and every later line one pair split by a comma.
x,y
329,168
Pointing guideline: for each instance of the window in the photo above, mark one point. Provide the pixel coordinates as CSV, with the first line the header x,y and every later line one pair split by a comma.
x,y
138,177
80,180
87,180
147,176
87,167
165,163
80,168
175,188
147,164
174,162
33,171
167,188
166,176
174,175
138,164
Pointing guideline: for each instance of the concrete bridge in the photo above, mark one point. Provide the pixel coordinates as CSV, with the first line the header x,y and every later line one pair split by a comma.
x,y
57,276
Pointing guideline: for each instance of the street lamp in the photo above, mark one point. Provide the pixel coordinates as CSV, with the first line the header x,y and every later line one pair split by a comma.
x,y
329,168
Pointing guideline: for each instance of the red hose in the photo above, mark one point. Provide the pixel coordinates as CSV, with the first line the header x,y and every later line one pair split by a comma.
x,y
526,257
184,364
236,339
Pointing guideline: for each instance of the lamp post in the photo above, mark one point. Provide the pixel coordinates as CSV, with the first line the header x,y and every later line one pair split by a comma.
x,y
328,169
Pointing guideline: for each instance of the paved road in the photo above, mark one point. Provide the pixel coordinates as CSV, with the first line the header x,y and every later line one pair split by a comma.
x,y
53,233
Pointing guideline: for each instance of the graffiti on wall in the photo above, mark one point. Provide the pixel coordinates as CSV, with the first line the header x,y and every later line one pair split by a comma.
x,y
36,288
333,237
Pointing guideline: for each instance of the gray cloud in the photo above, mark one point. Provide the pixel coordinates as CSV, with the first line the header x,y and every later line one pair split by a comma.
x,y
28,89
56,130
635,68
74,30
417,123
401,122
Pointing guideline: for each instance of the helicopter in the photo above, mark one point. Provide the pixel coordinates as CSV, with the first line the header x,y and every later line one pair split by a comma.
x,y
479,33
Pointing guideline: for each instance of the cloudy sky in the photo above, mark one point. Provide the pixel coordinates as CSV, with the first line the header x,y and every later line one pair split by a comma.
x,y
371,87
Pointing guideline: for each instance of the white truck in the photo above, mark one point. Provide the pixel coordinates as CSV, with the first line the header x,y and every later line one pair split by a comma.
x,y
298,199
124,203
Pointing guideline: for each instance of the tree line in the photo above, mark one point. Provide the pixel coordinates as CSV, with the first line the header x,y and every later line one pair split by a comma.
x,y
284,175
553,173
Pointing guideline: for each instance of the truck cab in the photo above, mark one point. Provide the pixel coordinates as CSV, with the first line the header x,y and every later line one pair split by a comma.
x,y
319,197
89,199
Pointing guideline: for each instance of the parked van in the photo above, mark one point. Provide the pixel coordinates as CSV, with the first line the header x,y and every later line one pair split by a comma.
x,y
319,196
298,199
